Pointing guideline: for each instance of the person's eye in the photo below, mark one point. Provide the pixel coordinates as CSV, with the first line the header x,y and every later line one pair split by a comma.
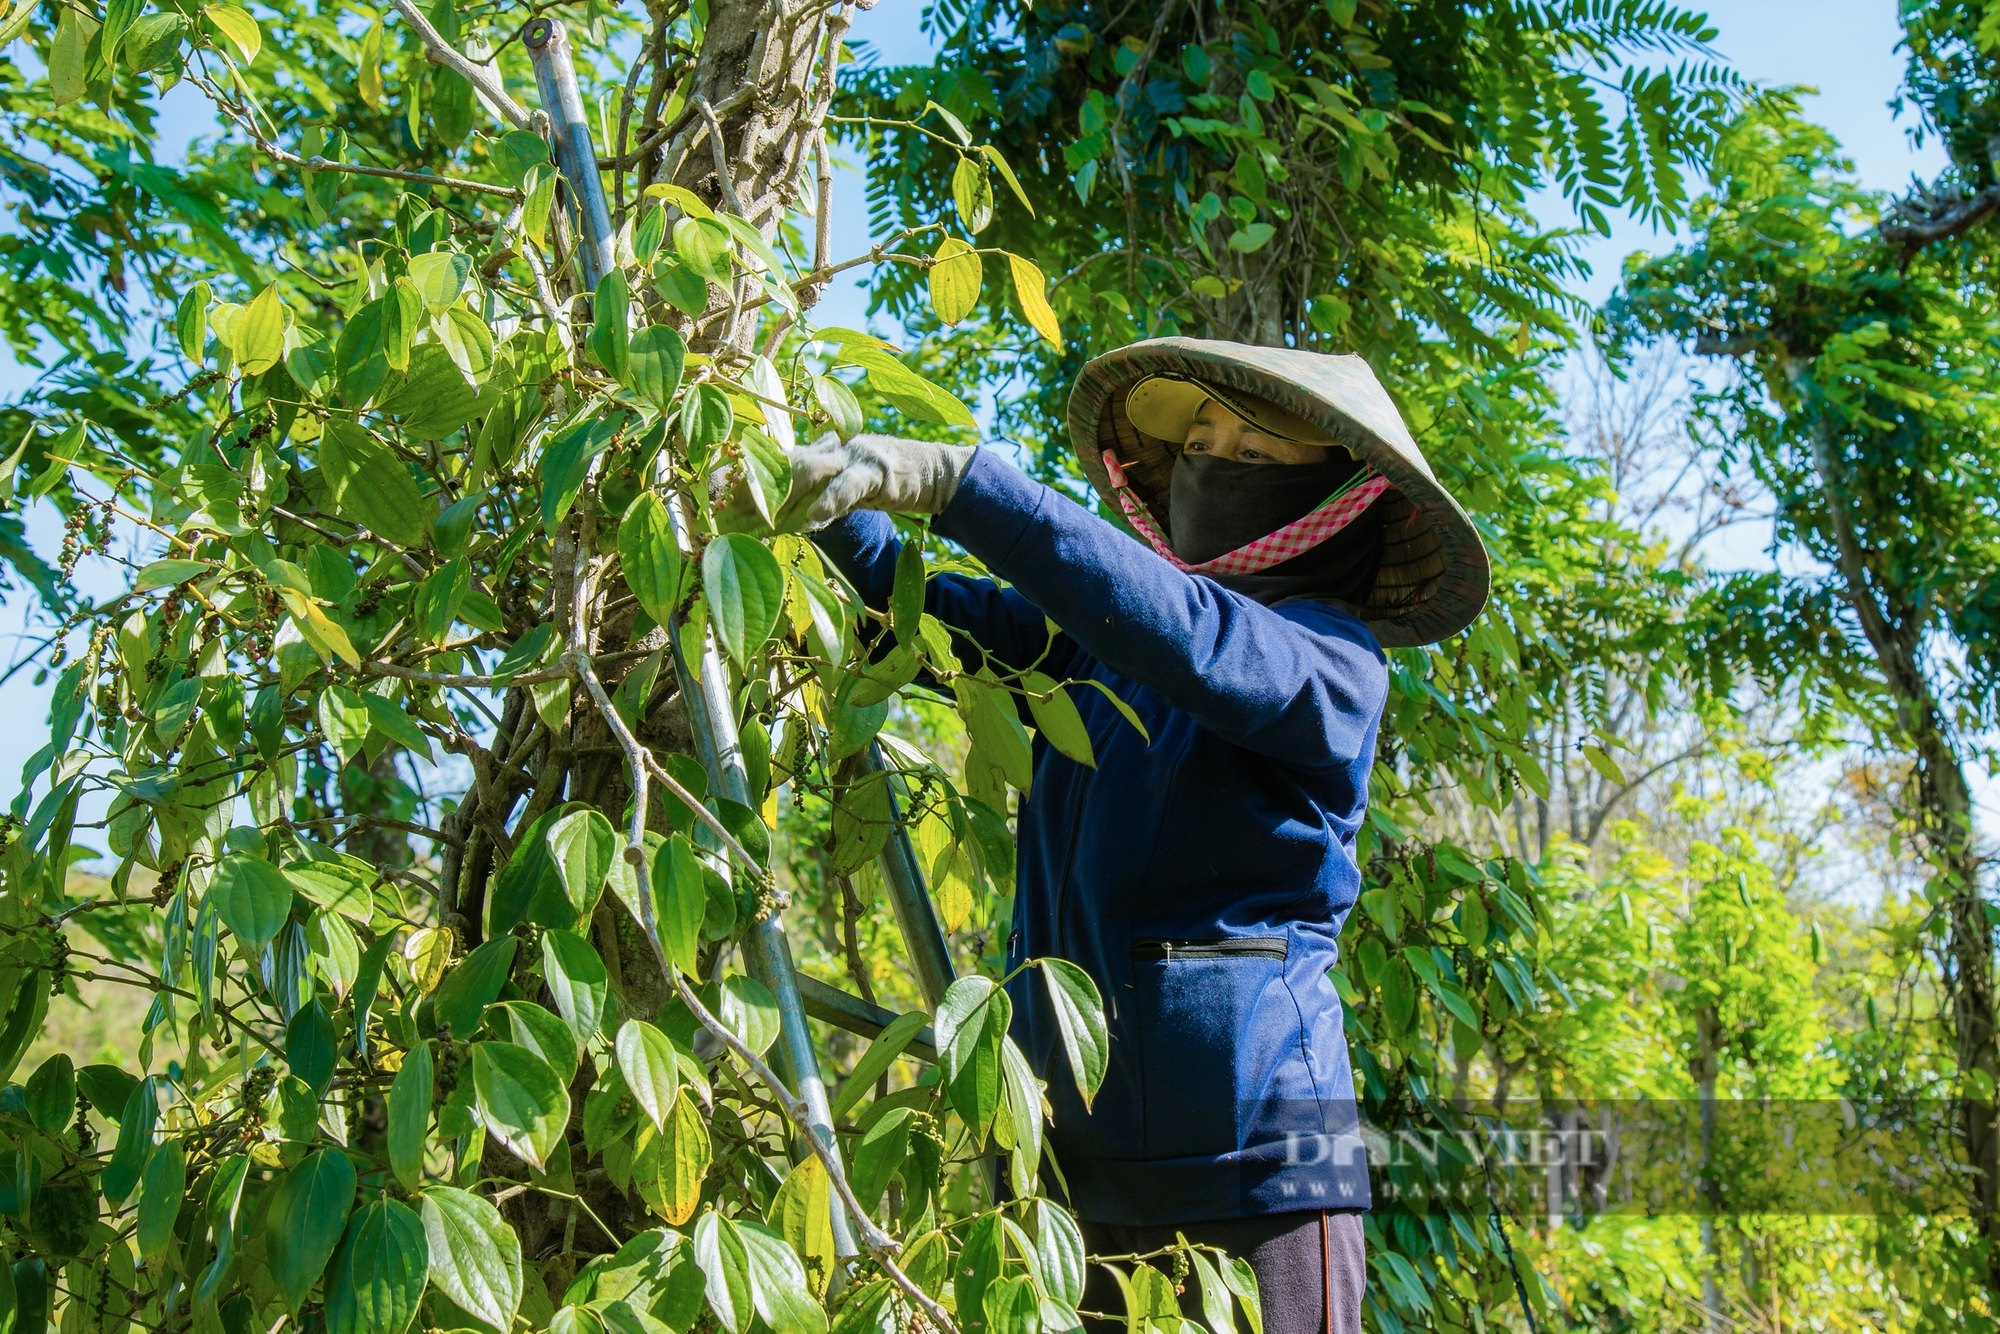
x,y
1194,447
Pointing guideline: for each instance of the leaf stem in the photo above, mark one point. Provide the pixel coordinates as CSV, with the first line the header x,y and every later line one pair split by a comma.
x,y
483,77
881,1246
642,762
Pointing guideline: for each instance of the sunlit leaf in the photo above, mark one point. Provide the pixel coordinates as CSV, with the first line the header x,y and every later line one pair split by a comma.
x,y
475,1258
650,557
1057,719
582,845
1029,290
746,592
1080,1017
971,1021
750,1011
66,55
545,1034
522,1100
370,75
258,337
439,278
955,277
778,1283
610,334
253,898
725,1269
972,193
799,1214
577,979
646,1059
680,899
191,322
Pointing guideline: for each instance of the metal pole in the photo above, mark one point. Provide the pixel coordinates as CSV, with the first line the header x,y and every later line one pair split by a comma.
x,y
916,918
712,720
843,1010
576,156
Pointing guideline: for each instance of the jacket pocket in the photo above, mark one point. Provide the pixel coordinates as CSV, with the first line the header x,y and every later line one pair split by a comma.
x,y
1208,1010
1154,949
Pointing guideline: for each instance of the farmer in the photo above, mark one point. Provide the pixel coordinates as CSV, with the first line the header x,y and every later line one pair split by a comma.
x,y
1289,530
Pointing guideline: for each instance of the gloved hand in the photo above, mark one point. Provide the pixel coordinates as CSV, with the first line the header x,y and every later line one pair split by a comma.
x,y
871,472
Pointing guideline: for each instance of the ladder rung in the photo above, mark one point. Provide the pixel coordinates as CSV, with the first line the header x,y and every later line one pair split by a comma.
x,y
833,1006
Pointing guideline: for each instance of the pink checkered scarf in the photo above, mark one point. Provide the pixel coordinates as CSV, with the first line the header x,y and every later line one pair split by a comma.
x,y
1272,549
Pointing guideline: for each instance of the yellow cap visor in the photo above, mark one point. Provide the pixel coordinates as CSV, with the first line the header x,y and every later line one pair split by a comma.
x,y
1164,407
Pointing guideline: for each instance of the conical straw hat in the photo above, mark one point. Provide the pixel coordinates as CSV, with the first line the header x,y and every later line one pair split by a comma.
x,y
1434,576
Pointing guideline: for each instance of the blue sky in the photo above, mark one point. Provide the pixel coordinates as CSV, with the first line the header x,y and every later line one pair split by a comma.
x,y
1846,48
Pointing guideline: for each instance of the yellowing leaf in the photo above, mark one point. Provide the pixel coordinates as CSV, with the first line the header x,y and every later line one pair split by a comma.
x,y
317,628
955,280
258,337
972,193
235,24
1013,182
1601,761
800,1215
683,1161
949,868
1057,719
540,185
1028,285
371,66
428,951
685,199
66,64
18,20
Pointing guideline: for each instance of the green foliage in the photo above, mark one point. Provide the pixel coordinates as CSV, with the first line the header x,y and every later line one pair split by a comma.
x,y
410,1062
407,1061
1864,334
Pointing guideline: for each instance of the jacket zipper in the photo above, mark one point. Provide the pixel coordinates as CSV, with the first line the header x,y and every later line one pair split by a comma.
x,y
1156,950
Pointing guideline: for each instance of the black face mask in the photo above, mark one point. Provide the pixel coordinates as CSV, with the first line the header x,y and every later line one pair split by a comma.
x,y
1220,504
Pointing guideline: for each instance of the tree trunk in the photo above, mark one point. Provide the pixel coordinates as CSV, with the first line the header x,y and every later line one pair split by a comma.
x,y
1703,1068
1943,810
756,115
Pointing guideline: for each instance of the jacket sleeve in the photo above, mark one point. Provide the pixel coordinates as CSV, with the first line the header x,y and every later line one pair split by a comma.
x,y
999,620
1303,682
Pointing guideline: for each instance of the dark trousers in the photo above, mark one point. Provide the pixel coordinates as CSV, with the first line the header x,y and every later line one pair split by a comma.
x,y
1311,1268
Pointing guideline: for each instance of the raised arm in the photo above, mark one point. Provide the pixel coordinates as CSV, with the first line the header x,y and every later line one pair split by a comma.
x,y
999,620
1303,683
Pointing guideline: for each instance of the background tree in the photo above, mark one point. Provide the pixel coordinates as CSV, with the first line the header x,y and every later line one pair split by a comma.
x,y
1862,406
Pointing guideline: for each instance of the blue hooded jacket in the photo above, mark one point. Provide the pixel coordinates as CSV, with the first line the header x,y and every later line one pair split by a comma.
x,y
1201,879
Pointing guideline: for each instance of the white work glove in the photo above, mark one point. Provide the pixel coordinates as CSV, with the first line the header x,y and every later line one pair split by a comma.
x,y
871,472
